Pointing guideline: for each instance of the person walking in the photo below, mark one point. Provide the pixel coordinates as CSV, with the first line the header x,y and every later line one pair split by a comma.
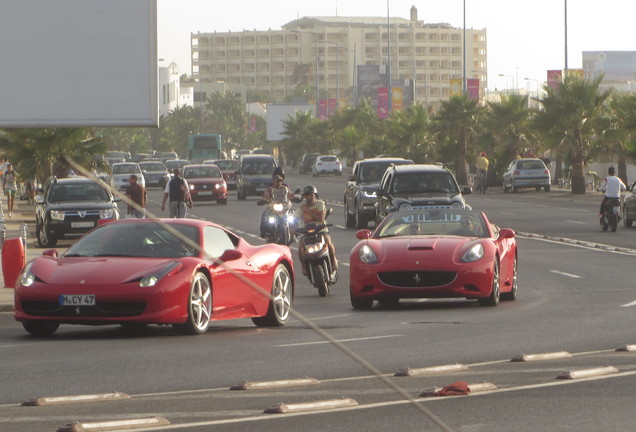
x,y
137,194
10,187
178,193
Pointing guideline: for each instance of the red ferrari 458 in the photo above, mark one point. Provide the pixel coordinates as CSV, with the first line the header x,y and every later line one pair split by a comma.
x,y
182,272
434,253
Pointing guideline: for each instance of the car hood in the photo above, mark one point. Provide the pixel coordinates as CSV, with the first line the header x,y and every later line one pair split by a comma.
x,y
84,205
209,180
429,248
370,187
95,270
259,178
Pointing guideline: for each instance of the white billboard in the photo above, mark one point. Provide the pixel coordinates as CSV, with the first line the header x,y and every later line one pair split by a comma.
x,y
278,114
77,63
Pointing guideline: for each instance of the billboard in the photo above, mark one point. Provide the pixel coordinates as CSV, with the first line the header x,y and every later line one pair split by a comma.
x,y
78,63
617,66
278,114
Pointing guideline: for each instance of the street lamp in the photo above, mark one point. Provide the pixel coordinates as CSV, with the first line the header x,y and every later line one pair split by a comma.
x,y
512,80
536,81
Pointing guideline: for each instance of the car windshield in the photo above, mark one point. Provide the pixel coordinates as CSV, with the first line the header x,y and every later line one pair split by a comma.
x,y
328,158
126,169
265,167
530,164
176,164
208,171
77,192
154,166
372,172
418,182
227,165
138,239
433,222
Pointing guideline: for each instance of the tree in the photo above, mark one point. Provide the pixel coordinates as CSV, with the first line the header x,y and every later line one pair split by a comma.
x,y
573,114
409,132
617,137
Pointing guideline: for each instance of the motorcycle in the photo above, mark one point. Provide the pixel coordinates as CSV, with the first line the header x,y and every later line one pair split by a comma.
x,y
280,223
317,258
611,214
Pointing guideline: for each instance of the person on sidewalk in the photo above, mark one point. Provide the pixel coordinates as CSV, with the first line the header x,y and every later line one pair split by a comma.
x,y
137,194
178,191
10,186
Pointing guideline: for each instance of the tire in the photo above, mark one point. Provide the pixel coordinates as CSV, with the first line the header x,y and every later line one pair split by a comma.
x,y
360,303
199,307
390,301
240,195
40,328
280,301
495,293
320,280
512,295
350,221
505,188
44,239
546,188
538,188
626,221
222,201
361,221
613,222
604,226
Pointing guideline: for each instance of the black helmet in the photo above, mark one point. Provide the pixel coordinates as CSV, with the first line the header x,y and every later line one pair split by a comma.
x,y
279,171
309,190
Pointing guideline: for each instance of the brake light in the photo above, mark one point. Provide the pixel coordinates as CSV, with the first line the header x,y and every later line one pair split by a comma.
x,y
516,172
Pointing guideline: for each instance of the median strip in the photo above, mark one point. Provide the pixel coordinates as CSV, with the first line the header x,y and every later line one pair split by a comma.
x,y
542,356
627,348
57,400
247,385
585,373
114,425
433,370
311,406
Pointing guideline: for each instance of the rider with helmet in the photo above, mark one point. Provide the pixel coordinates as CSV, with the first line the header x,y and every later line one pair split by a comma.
x,y
276,192
314,209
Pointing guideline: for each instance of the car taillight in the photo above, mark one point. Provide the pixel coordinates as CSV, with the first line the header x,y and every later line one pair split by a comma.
x,y
546,172
516,172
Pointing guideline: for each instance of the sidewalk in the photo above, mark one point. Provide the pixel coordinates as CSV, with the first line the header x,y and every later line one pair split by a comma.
x,y
23,213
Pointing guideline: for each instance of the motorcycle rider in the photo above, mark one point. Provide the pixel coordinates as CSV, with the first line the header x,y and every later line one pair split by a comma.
x,y
314,209
612,186
277,192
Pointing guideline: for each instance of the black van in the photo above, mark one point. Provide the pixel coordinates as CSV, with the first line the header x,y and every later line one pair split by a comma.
x,y
254,174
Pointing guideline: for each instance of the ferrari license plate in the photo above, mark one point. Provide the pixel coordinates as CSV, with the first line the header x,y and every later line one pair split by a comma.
x,y
76,300
82,224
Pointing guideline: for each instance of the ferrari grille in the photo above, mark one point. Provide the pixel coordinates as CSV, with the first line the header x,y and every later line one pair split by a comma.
x,y
417,279
101,309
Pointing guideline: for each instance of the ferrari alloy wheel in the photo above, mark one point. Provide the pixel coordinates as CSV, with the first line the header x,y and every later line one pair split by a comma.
x,y
280,300
512,295
360,303
199,307
40,328
495,293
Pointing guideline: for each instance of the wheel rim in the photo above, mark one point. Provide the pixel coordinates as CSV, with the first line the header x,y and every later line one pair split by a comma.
x,y
201,302
42,235
514,278
281,294
495,283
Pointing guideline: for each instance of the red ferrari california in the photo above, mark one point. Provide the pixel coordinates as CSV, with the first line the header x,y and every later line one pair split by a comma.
x,y
182,272
434,253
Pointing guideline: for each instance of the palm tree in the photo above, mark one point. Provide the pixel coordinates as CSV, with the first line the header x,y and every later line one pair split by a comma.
x,y
409,131
573,117
456,126
617,135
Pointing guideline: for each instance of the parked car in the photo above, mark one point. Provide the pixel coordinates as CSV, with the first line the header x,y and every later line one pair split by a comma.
x,y
406,187
228,168
628,206
176,163
139,271
307,162
121,171
526,173
360,195
327,164
155,173
138,157
254,174
166,156
206,183
69,207
434,253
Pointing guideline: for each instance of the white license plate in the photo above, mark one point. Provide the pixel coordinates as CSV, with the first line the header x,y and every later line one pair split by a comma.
x,y
76,300
260,190
205,193
82,224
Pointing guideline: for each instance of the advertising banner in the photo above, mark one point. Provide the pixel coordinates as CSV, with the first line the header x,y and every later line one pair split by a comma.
x,y
383,102
554,78
472,87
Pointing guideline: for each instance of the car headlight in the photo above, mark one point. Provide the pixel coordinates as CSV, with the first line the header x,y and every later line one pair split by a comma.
x,y
153,278
457,205
191,187
27,278
57,214
271,219
366,255
107,213
405,206
369,194
475,253
218,186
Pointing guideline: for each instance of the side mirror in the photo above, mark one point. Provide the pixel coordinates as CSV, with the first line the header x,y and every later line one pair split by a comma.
x,y
507,233
351,178
262,202
50,252
230,255
329,211
296,199
297,191
363,234
380,192
467,190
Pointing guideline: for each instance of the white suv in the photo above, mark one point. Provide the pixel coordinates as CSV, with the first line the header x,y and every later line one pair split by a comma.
x,y
327,164
121,171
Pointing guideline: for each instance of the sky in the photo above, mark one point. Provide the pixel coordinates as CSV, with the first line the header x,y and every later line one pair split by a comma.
x,y
525,38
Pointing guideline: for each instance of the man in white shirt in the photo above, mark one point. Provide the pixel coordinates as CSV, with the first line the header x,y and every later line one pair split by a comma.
x,y
612,186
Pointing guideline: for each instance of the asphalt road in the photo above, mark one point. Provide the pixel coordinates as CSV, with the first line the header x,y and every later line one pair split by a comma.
x,y
576,296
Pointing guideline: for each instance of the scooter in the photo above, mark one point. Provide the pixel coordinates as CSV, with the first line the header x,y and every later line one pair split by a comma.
x,y
611,214
317,258
279,223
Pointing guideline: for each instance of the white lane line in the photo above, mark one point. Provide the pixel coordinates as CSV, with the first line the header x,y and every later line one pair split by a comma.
x,y
576,222
328,317
566,274
629,304
509,214
340,227
339,340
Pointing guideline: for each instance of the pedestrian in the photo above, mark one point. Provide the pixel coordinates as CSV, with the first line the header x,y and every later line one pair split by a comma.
x,y
137,194
3,165
178,193
10,187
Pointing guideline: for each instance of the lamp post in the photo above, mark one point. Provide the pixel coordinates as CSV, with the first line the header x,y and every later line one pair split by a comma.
x,y
512,80
537,85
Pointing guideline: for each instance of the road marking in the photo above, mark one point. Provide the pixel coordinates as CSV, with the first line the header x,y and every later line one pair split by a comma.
x,y
328,317
566,274
339,340
629,304
576,222
340,227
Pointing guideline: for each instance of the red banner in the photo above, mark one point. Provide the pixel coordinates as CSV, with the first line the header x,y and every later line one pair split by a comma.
x,y
554,78
472,88
383,102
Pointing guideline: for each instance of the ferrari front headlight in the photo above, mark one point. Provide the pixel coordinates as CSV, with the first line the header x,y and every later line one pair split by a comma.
x,y
153,278
27,278
366,255
475,253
